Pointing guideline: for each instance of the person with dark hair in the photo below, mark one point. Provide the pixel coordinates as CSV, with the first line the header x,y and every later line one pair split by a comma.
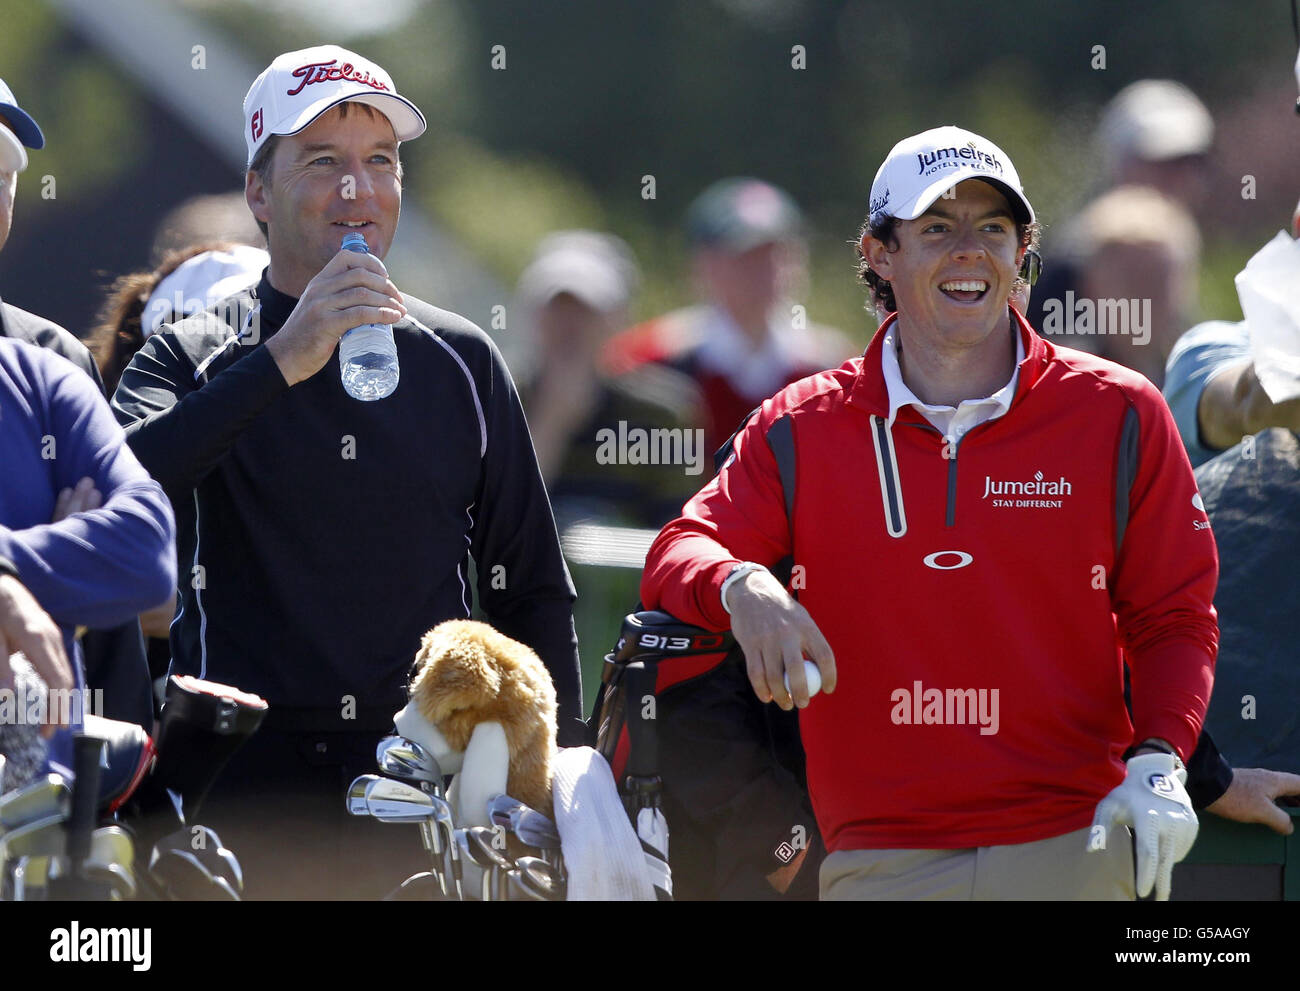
x,y
322,536
1032,526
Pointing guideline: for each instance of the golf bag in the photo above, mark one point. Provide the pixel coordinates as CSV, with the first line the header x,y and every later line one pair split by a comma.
x,y
130,795
676,717
733,781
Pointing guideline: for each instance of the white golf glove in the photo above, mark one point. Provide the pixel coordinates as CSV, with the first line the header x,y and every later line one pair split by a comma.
x,y
1154,803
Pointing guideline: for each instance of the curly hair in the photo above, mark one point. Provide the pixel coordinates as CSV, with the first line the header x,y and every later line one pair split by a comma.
x,y
885,230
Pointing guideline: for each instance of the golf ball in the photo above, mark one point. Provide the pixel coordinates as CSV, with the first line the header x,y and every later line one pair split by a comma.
x,y
813,676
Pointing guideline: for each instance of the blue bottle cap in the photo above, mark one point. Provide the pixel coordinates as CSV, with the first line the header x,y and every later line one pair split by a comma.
x,y
355,242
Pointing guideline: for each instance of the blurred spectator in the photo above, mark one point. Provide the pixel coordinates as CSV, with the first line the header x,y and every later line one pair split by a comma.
x,y
747,339
575,295
187,280
1213,391
1153,133
1136,255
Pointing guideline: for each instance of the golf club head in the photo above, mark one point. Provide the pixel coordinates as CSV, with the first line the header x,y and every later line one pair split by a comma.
x,y
406,760
356,798
534,829
484,841
500,807
184,876
39,838
111,860
192,865
396,801
535,868
46,796
206,845
532,886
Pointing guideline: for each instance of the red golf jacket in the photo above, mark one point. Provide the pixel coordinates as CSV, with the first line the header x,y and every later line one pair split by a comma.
x,y
980,601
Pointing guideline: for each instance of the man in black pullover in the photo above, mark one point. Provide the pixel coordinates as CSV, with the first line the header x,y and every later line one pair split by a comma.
x,y
321,536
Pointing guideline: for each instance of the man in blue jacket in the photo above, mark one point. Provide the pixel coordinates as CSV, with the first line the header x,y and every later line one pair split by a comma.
x,y
97,567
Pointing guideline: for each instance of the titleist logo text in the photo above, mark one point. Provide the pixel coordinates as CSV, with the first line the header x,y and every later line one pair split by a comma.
x,y
322,72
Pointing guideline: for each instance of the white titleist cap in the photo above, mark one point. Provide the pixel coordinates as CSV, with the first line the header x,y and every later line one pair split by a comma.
x,y
920,169
198,282
299,86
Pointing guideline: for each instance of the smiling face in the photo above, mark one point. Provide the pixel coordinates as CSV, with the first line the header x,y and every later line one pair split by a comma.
x,y
339,175
954,267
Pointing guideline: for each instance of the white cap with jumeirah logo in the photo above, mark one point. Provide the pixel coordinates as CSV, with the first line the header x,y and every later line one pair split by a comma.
x,y
299,86
923,167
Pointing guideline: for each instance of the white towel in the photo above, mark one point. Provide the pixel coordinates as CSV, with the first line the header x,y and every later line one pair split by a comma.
x,y
602,854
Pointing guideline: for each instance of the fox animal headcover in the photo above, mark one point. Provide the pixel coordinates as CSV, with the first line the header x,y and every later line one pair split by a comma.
x,y
469,674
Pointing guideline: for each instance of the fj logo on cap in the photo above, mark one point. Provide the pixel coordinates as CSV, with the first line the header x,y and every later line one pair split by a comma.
x,y
256,124
322,72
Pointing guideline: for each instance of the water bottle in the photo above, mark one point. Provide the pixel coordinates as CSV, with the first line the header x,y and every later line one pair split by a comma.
x,y
367,354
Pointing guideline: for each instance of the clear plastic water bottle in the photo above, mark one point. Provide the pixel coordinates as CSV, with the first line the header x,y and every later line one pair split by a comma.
x,y
367,354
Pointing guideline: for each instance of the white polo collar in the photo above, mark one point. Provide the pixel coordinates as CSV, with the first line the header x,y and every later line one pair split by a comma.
x,y
952,422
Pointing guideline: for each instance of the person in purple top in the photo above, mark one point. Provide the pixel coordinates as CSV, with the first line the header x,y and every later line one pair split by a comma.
x,y
96,567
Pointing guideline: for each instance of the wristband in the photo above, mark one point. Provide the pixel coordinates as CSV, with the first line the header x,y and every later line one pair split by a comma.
x,y
737,574
1154,744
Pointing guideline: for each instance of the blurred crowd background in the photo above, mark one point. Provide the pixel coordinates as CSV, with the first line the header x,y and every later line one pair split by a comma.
x,y
556,198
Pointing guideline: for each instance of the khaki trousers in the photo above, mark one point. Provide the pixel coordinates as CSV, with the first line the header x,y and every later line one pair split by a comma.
x,y
1054,869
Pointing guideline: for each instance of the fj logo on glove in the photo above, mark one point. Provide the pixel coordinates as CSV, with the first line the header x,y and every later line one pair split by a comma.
x,y
1160,784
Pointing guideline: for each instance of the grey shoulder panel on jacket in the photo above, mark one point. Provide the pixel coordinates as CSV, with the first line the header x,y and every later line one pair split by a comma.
x,y
24,326
201,335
